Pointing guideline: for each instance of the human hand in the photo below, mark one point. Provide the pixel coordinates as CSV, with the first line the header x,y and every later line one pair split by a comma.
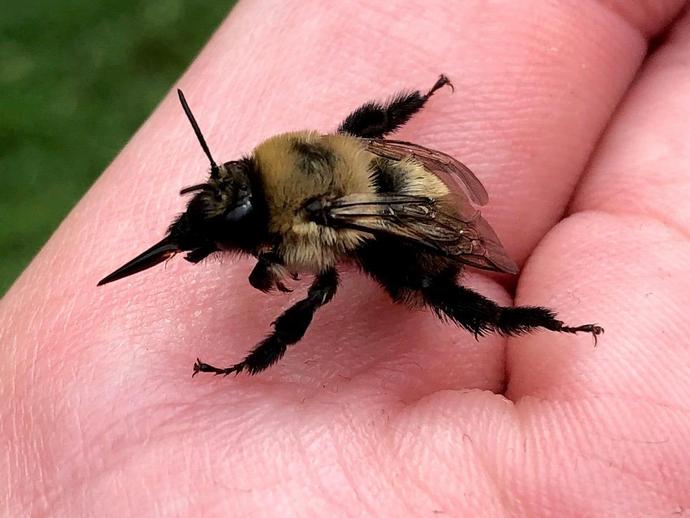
x,y
380,410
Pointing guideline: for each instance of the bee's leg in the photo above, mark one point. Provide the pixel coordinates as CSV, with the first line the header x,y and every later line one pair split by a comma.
x,y
289,328
268,273
375,119
200,254
480,315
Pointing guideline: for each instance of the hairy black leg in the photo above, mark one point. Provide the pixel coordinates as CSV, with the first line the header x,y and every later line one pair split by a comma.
x,y
375,119
288,329
266,275
481,315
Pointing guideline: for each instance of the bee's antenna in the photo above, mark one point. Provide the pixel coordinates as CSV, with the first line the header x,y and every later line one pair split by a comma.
x,y
194,188
202,141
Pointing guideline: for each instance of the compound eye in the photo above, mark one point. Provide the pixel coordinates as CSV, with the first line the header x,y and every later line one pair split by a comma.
x,y
239,211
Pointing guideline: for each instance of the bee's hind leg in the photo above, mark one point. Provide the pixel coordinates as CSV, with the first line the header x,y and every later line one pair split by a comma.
x,y
480,315
375,119
288,329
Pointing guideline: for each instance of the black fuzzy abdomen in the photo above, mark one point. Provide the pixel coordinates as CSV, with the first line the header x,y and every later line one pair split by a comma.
x,y
403,268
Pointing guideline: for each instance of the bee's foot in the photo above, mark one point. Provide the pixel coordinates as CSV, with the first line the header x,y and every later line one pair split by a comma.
x,y
594,329
200,366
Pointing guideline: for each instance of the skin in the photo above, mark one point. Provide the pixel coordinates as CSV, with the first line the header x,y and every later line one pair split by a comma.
x,y
580,134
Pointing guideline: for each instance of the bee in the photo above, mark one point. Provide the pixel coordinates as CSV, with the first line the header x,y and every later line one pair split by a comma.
x,y
305,202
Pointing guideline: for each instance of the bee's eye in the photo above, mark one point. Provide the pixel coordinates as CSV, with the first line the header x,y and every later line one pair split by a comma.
x,y
239,211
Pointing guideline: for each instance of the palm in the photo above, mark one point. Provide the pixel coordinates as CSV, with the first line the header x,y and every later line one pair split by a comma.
x,y
381,409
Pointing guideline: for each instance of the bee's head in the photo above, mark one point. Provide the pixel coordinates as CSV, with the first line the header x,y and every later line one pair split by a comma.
x,y
220,212
220,216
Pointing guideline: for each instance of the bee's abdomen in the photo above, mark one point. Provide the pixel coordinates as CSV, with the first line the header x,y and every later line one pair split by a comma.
x,y
406,177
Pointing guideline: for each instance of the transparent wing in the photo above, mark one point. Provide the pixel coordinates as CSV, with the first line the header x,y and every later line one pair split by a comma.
x,y
424,222
452,172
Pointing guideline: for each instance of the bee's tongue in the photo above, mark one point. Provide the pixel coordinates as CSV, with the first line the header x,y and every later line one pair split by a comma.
x,y
156,254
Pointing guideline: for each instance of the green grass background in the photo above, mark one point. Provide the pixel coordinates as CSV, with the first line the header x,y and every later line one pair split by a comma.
x,y
77,77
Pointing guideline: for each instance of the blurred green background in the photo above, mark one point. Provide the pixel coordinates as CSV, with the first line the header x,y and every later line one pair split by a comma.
x,y
77,77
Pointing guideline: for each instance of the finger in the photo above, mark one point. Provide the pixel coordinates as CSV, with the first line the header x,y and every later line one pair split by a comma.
x,y
623,253
622,258
641,168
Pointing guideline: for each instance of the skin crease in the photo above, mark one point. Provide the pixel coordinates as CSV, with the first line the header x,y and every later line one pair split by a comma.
x,y
380,410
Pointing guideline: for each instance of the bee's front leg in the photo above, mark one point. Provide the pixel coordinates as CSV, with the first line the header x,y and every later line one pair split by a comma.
x,y
269,273
288,329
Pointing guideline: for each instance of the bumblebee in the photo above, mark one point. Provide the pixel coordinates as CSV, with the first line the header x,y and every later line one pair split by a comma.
x,y
304,202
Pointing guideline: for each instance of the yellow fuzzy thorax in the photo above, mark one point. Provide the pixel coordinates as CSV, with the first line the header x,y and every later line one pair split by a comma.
x,y
302,166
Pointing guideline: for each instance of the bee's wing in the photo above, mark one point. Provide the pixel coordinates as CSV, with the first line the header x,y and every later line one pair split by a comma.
x,y
452,172
422,221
